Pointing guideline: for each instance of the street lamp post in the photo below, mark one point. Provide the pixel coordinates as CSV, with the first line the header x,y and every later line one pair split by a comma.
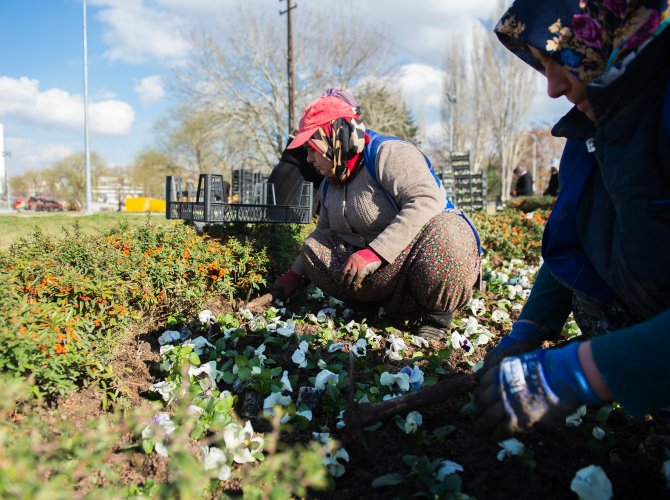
x,y
89,201
452,100
534,137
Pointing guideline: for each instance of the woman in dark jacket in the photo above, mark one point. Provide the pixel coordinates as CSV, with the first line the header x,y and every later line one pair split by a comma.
x,y
605,245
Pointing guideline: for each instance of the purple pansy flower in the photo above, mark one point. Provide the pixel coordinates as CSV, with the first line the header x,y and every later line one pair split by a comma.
x,y
588,29
616,7
646,30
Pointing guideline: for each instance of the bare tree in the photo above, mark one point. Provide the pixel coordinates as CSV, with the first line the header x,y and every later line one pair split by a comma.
x,y
487,95
237,73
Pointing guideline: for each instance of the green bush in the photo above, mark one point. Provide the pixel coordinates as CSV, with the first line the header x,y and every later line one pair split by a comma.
x,y
66,301
531,203
511,234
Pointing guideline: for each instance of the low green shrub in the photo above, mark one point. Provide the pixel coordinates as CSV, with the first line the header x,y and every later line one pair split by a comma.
x,y
66,301
531,203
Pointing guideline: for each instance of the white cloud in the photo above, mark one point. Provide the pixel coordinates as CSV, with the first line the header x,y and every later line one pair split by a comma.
x,y
28,154
422,89
151,89
137,33
55,108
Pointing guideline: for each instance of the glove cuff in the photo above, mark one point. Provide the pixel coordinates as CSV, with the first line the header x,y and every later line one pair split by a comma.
x,y
565,375
526,331
290,279
369,255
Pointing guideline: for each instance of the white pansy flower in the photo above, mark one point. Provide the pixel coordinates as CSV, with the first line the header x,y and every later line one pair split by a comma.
x,y
325,313
419,341
259,354
525,294
477,307
286,328
275,399
352,325
513,291
471,326
206,316
332,462
256,370
510,447
396,342
208,369
401,380
483,339
372,337
198,344
215,458
285,382
591,483
460,341
168,337
335,347
321,364
194,410
163,388
575,419
246,314
240,441
598,433
161,449
326,377
258,323
315,293
305,414
164,349
447,467
413,422
321,437
300,355
499,316
311,317
360,348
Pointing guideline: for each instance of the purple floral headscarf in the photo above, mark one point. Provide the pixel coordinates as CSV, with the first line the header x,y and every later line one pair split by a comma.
x,y
587,37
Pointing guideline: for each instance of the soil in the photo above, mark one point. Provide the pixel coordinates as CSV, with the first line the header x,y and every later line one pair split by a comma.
x,y
631,456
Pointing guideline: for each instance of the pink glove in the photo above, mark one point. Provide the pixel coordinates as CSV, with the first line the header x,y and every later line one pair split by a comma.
x,y
359,265
286,284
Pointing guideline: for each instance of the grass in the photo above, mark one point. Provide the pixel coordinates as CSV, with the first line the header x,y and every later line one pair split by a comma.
x,y
13,226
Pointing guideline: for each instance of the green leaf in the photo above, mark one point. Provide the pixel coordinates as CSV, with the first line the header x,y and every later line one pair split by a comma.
x,y
391,479
148,446
194,359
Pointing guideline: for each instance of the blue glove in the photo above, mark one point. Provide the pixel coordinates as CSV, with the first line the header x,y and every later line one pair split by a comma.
x,y
525,336
539,386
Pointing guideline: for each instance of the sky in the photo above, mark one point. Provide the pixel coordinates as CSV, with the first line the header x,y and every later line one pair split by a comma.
x,y
134,47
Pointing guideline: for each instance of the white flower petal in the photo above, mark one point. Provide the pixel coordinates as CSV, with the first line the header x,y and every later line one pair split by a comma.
x,y
591,483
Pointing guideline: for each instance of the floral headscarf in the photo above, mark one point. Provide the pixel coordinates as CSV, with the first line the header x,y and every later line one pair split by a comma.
x,y
341,141
587,37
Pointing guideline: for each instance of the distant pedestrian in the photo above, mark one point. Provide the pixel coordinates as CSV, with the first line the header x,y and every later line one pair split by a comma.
x,y
552,188
524,182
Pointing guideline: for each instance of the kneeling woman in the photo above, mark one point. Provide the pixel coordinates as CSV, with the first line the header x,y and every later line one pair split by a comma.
x,y
386,232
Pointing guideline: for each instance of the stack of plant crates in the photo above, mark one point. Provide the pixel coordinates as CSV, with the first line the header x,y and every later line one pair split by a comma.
x,y
244,185
466,188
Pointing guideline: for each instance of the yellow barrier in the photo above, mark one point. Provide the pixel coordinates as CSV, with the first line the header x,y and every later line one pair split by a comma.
x,y
145,205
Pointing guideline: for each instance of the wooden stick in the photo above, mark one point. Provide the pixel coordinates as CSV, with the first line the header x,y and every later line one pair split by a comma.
x,y
260,302
368,413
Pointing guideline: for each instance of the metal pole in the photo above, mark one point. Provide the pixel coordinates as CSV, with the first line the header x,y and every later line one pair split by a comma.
x,y
289,63
534,162
89,201
452,102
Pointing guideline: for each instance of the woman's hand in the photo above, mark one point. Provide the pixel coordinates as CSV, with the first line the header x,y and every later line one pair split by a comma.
x,y
286,284
359,265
